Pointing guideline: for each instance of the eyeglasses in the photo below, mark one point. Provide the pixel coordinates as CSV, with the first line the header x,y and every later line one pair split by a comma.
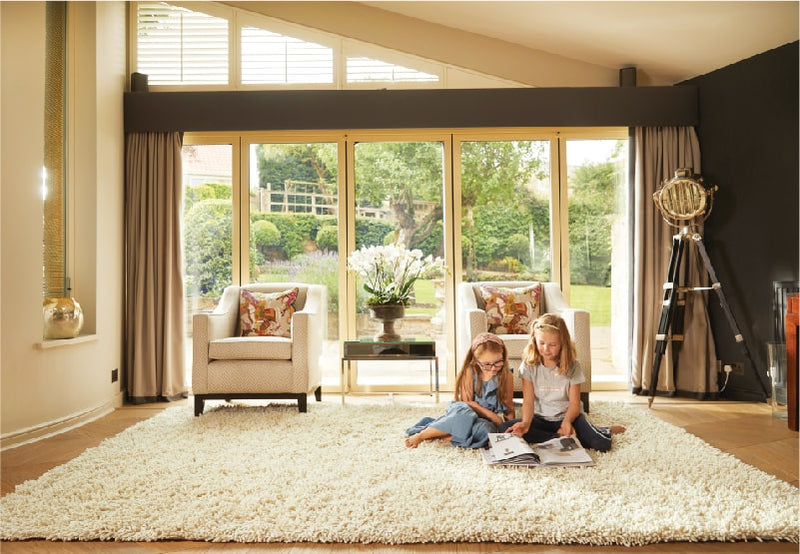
x,y
491,365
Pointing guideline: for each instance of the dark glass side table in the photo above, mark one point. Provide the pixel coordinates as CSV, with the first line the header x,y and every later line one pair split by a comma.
x,y
400,351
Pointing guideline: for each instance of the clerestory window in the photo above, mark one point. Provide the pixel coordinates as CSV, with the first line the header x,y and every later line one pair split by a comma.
x,y
213,45
367,70
177,46
272,58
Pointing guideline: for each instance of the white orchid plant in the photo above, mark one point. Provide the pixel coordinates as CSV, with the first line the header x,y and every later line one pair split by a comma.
x,y
389,272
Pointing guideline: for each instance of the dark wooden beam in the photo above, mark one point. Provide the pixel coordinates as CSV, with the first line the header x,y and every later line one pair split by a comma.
x,y
395,109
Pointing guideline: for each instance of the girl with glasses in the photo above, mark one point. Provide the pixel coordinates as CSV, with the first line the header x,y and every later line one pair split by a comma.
x,y
483,399
551,390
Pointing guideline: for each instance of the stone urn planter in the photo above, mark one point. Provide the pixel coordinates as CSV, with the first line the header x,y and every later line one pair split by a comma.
x,y
387,315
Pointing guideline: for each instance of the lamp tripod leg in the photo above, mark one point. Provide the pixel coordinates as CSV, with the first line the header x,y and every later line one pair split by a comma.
x,y
677,327
667,312
717,287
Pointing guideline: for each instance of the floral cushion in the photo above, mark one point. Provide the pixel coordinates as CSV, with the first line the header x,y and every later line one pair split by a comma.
x,y
511,311
266,313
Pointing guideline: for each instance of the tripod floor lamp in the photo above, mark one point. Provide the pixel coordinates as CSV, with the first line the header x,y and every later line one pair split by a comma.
x,y
685,202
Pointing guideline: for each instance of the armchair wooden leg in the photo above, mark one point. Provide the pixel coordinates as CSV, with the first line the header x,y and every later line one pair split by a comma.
x,y
199,405
318,394
302,403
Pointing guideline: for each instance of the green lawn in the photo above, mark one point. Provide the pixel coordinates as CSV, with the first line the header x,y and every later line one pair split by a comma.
x,y
597,300
424,295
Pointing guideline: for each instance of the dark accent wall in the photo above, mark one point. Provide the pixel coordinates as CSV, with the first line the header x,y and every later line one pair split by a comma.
x,y
748,133
397,109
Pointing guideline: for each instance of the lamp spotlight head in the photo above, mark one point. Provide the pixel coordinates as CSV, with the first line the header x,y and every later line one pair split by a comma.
x,y
684,200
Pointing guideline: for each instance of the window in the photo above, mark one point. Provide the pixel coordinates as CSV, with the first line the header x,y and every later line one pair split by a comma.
x,y
55,282
598,257
179,46
399,190
272,58
226,47
366,70
496,205
501,237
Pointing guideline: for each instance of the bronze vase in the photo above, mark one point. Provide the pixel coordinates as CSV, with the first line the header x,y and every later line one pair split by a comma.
x,y
387,315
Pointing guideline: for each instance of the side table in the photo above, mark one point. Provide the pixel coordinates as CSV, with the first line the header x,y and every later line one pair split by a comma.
x,y
399,351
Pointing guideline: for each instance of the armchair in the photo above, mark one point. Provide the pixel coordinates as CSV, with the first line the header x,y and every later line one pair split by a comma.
x,y
227,365
472,320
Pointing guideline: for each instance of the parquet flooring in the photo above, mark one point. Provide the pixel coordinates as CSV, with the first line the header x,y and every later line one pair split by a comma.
x,y
745,430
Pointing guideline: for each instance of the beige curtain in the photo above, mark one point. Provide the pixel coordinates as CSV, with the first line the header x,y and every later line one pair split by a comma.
x,y
658,153
154,324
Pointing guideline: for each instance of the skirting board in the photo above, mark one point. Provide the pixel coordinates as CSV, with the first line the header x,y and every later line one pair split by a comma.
x,y
51,428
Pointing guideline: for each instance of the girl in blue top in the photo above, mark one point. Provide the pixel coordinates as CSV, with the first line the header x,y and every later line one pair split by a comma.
x,y
551,389
484,399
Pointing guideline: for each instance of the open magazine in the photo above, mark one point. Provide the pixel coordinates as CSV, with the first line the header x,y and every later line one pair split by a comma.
x,y
510,449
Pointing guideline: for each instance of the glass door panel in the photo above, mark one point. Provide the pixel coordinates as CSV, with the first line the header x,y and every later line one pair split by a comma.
x,y
599,252
208,229
505,210
538,207
399,198
293,222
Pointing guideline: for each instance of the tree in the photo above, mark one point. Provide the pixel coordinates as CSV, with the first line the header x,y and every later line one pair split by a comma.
x,y
496,175
312,163
402,173
594,199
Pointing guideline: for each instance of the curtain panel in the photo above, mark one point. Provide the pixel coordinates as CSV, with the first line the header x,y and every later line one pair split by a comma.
x,y
688,366
154,309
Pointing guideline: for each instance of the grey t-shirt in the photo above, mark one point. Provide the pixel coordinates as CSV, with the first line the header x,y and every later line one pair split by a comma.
x,y
551,391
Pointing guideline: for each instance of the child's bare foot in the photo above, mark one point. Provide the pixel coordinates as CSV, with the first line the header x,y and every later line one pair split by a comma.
x,y
616,429
413,441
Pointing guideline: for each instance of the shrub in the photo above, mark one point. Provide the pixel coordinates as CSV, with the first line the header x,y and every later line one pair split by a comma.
x,y
320,268
207,242
372,232
291,238
328,238
264,234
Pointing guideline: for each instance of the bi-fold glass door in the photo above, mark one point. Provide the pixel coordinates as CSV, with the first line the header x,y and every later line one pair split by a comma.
x,y
596,263
399,185
509,205
267,207
294,221
210,225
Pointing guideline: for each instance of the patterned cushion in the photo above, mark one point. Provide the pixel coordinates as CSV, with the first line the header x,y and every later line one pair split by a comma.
x,y
511,311
266,313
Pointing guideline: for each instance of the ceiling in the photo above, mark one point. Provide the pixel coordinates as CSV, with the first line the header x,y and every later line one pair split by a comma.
x,y
669,41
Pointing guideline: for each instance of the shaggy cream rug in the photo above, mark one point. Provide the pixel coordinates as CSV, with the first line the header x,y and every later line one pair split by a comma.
x,y
342,474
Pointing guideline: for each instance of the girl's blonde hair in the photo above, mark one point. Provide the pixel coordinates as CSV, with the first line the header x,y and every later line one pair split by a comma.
x,y
485,342
551,323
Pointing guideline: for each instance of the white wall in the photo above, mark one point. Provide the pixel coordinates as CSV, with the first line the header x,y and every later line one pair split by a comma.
x,y
45,389
477,53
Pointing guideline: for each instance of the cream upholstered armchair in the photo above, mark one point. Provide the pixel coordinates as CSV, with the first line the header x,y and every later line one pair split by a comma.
x,y
283,324
472,320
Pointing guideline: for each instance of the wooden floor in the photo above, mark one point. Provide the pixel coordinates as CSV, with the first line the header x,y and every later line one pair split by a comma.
x,y
745,430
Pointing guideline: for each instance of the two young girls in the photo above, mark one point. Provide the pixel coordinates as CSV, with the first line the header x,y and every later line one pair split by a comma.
x,y
484,399
551,386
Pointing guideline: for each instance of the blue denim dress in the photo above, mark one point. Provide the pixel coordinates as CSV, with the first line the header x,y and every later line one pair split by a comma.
x,y
467,428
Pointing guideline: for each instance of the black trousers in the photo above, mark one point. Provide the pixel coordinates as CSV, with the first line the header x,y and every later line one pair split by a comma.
x,y
541,430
